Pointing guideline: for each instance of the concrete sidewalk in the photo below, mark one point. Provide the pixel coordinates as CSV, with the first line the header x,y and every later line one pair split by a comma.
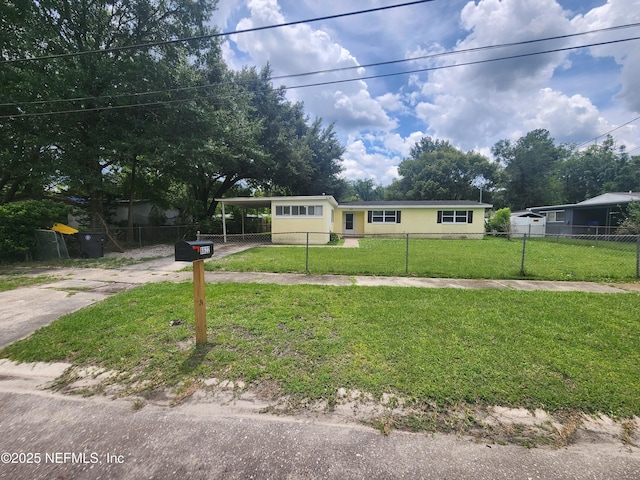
x,y
24,310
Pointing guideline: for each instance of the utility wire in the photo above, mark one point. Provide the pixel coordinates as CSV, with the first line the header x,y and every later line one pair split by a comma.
x,y
465,64
608,133
335,82
214,35
455,52
333,70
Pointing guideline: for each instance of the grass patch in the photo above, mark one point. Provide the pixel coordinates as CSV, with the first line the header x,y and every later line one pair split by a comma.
x,y
559,351
491,258
16,280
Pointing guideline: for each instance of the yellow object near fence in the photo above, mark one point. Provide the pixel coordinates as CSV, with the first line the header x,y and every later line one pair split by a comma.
x,y
64,229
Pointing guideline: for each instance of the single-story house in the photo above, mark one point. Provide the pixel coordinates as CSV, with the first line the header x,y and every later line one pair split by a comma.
x,y
321,215
528,223
442,217
598,215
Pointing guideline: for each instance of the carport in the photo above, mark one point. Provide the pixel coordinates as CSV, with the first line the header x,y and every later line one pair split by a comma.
x,y
244,203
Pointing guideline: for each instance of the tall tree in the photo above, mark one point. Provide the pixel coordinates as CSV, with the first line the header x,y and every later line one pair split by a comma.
x,y
596,170
27,155
89,135
436,170
531,169
365,190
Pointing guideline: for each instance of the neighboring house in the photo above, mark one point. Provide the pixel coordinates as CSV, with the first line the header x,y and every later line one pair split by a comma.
x,y
322,215
528,223
145,212
598,215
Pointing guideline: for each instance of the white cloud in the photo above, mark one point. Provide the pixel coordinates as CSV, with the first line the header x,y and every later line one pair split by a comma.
x,y
471,106
571,118
626,54
359,163
478,105
302,48
391,102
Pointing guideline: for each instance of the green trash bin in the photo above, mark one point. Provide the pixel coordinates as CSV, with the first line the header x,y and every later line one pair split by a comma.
x,y
91,244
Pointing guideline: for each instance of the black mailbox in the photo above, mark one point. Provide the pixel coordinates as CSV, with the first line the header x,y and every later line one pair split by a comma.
x,y
192,251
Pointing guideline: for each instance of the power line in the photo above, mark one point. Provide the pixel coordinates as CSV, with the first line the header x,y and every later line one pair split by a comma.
x,y
455,52
334,82
333,70
465,64
608,133
214,35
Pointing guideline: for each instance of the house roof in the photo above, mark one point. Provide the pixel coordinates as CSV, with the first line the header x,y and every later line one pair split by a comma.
x,y
265,202
612,198
606,199
526,214
415,204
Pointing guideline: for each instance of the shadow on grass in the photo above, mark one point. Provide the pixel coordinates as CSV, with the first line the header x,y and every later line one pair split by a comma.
x,y
196,357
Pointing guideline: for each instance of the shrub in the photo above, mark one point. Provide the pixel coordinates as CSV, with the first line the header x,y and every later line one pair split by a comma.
x,y
631,223
18,222
500,221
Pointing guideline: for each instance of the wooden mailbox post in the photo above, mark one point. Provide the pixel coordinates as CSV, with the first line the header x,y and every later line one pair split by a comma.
x,y
196,252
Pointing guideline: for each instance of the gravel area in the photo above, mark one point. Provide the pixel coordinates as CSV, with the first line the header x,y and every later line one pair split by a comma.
x,y
153,251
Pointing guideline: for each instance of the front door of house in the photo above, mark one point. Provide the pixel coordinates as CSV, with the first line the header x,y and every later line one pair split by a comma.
x,y
349,224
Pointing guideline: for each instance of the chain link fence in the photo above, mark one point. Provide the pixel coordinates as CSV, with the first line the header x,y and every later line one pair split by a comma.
x,y
146,235
598,257
495,255
50,245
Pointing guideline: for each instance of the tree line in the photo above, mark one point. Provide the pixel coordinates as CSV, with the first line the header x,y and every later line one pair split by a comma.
x,y
100,102
531,171
97,105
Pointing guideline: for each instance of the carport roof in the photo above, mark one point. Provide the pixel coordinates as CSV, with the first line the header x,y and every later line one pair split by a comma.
x,y
265,202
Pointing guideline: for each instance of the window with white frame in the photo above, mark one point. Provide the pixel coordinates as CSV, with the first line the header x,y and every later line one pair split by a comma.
x,y
556,216
298,210
384,216
455,216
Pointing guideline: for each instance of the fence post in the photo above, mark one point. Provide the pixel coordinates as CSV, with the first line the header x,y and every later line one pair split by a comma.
x,y
638,256
406,257
524,247
307,255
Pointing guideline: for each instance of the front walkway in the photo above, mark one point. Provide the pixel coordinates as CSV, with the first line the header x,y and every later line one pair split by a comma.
x,y
351,243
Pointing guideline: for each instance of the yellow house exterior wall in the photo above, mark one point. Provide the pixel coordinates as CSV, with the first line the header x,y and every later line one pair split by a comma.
x,y
415,220
293,229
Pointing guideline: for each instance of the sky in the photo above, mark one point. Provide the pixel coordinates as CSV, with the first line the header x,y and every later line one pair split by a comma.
x,y
578,95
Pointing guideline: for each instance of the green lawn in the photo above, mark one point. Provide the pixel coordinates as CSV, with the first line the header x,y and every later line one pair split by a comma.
x,y
560,351
488,258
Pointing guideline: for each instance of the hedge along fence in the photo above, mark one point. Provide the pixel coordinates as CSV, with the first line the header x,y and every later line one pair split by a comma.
x,y
20,220
566,257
